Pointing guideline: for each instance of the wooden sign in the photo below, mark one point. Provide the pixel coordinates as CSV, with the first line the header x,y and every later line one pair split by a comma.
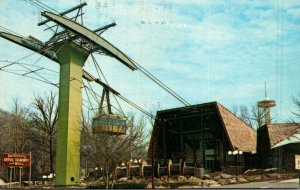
x,y
297,162
15,160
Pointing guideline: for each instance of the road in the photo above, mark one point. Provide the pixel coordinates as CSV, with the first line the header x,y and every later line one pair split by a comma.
x,y
292,183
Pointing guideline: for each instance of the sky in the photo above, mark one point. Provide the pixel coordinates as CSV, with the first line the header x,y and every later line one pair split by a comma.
x,y
205,50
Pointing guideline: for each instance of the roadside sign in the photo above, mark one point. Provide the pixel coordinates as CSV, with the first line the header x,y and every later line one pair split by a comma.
x,y
15,160
297,162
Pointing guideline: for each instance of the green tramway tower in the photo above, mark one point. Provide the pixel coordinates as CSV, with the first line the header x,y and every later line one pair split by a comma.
x,y
70,47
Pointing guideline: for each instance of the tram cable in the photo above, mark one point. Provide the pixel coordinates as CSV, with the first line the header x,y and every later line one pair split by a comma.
x,y
43,6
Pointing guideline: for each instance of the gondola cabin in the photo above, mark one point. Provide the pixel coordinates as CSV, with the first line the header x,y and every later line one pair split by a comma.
x,y
109,124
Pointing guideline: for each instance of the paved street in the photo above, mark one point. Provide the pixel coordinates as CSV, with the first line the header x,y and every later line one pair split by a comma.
x,y
292,183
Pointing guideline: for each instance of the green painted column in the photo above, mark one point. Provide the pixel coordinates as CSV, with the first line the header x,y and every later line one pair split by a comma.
x,y
72,59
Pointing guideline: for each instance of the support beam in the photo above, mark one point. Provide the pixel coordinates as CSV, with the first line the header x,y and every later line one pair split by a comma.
x,y
71,58
64,13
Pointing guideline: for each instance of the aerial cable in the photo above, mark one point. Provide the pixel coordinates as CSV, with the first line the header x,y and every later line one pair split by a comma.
x,y
88,97
122,97
47,82
37,52
37,67
36,5
95,94
26,75
4,29
142,69
161,84
147,73
136,106
34,63
127,101
98,69
92,92
97,66
41,6
86,106
31,71
49,8
88,89
42,50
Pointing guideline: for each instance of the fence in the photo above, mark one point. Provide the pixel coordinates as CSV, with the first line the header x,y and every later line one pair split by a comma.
x,y
165,168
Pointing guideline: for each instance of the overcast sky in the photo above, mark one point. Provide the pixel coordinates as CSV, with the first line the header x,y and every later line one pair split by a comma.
x,y
205,50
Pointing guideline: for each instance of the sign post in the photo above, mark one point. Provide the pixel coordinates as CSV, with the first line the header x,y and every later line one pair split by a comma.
x,y
30,170
297,165
10,177
13,160
20,176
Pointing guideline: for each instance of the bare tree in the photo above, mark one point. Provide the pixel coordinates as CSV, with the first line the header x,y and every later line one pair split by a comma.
x,y
235,110
243,113
44,118
296,101
257,117
14,129
107,151
4,131
254,118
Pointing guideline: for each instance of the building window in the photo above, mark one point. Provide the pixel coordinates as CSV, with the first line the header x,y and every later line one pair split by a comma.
x,y
212,148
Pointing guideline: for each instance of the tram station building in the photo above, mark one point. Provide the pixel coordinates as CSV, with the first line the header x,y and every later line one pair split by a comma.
x,y
201,134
